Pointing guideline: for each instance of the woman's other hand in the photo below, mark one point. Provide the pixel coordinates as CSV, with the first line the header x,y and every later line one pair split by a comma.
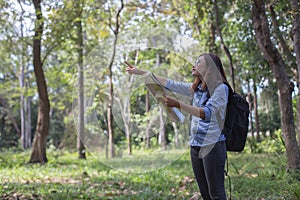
x,y
171,102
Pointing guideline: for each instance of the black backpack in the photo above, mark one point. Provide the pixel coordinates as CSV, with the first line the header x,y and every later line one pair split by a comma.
x,y
236,122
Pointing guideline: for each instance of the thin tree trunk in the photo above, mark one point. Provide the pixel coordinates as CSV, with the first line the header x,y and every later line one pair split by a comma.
x,y
127,108
250,101
110,117
176,139
148,127
282,44
212,38
224,47
38,154
22,111
147,135
296,40
261,28
298,116
286,50
162,132
255,107
28,120
79,42
22,86
125,113
128,135
110,78
127,123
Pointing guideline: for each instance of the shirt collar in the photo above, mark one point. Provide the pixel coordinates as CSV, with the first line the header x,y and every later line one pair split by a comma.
x,y
200,88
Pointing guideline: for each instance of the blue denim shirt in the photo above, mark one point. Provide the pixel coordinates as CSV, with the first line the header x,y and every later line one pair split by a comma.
x,y
205,131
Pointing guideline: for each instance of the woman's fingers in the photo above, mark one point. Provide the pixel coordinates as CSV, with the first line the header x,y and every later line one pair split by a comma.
x,y
129,68
171,102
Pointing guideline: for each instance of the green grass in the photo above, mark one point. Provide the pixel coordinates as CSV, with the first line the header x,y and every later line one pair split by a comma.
x,y
253,176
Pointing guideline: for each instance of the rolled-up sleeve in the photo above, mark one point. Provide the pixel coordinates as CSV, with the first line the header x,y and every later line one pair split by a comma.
x,y
207,112
179,87
217,103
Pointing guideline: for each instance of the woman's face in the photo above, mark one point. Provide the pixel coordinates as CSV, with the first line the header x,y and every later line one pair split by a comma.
x,y
199,67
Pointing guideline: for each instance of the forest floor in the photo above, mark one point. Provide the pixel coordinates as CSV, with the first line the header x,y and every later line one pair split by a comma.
x,y
252,176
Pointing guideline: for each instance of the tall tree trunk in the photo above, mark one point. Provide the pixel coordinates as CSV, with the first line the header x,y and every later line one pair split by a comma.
x,y
212,38
296,40
128,135
261,28
23,107
250,101
38,154
298,113
110,116
127,124
176,134
224,47
162,132
148,127
79,42
115,30
125,113
281,41
286,50
28,120
25,134
255,107
127,108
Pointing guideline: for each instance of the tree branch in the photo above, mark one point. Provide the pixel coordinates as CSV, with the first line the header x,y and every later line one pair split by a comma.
x,y
225,48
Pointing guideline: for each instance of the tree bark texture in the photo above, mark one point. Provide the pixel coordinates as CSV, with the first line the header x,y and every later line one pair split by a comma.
x,y
296,40
287,52
224,47
111,87
255,108
81,123
25,123
274,58
38,154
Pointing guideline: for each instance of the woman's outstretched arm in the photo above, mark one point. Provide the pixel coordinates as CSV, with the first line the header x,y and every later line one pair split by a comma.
x,y
133,70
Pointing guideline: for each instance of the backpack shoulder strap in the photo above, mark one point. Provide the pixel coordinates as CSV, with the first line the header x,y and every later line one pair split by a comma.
x,y
229,95
230,88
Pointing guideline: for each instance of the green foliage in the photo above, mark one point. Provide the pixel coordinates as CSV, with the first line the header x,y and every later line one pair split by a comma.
x,y
269,121
257,176
272,144
297,193
253,176
193,18
269,144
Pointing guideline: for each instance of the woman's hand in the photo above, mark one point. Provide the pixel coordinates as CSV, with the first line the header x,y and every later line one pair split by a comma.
x,y
130,69
171,102
133,70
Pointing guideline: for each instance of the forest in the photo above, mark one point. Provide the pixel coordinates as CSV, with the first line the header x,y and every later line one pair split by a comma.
x,y
72,119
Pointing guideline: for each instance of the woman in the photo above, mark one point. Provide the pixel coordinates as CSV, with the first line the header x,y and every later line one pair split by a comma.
x,y
208,110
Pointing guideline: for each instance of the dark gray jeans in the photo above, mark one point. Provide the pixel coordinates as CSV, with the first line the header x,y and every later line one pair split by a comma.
x,y
209,170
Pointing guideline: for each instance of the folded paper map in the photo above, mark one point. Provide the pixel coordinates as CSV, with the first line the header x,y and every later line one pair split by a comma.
x,y
158,92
